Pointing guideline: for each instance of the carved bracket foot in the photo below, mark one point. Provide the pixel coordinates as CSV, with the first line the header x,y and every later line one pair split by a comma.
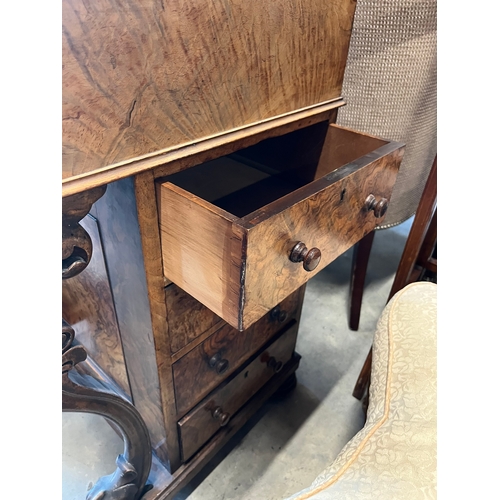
x,y
129,479
133,465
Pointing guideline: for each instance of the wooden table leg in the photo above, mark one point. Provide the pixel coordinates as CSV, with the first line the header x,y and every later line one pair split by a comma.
x,y
133,465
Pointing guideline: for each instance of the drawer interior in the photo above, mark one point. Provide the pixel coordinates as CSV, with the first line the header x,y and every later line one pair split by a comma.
x,y
251,178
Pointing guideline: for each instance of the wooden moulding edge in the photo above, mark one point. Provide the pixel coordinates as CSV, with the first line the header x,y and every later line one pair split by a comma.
x,y
133,166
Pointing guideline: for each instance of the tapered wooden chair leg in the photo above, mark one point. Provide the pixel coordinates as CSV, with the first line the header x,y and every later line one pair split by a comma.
x,y
364,378
360,259
418,231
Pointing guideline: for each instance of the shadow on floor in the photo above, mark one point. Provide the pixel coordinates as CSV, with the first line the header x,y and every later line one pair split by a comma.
x,y
289,412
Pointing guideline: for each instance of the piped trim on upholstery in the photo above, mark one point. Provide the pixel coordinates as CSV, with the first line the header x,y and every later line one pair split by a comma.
x,y
387,404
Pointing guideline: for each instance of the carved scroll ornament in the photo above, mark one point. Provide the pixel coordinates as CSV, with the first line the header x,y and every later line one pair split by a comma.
x,y
133,465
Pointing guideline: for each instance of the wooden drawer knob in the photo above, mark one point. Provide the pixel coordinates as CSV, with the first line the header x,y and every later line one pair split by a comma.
x,y
218,364
221,416
309,258
379,207
278,314
275,365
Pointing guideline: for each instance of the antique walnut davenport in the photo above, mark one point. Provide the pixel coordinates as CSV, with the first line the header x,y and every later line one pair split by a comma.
x,y
204,183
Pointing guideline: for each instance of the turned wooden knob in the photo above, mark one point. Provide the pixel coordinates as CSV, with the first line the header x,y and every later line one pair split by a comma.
x,y
309,258
221,416
218,364
379,207
278,315
275,365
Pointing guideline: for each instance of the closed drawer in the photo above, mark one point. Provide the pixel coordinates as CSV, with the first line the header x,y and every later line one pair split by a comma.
x,y
267,231
216,410
211,362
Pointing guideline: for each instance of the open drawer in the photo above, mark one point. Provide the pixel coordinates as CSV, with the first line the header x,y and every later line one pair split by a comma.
x,y
242,232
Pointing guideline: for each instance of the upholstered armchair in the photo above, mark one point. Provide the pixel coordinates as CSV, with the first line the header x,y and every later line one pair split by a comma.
x,y
393,457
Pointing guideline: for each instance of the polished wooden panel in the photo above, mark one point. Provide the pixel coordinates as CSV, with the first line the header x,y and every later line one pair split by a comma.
x,y
121,240
187,318
141,76
194,378
240,267
332,219
81,393
175,159
87,304
147,217
342,146
196,428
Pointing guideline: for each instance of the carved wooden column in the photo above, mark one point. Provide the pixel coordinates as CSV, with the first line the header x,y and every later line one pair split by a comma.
x,y
133,465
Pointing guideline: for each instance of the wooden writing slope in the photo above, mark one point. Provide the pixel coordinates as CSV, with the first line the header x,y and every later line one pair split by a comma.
x,y
204,183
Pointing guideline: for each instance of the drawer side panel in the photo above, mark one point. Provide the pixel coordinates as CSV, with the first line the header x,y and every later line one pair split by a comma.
x,y
197,243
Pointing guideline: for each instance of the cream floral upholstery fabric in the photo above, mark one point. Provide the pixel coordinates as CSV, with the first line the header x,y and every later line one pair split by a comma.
x,y
394,455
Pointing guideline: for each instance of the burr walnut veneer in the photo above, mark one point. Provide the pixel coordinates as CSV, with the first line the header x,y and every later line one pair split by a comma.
x,y
204,182
233,254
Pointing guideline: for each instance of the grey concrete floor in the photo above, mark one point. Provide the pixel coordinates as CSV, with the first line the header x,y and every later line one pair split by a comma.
x,y
290,440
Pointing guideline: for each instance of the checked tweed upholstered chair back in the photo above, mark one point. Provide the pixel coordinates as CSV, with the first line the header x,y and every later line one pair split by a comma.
x,y
390,89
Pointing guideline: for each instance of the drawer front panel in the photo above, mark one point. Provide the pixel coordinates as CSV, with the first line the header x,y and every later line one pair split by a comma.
x,y
207,365
187,318
331,220
196,428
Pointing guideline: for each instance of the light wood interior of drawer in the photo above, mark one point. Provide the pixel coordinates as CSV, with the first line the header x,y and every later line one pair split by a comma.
x,y
246,181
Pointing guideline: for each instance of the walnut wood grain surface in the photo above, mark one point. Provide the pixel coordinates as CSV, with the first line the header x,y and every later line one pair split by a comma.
x,y
121,239
170,485
174,159
240,267
342,146
147,217
141,76
196,241
199,424
194,378
87,303
187,318
332,220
